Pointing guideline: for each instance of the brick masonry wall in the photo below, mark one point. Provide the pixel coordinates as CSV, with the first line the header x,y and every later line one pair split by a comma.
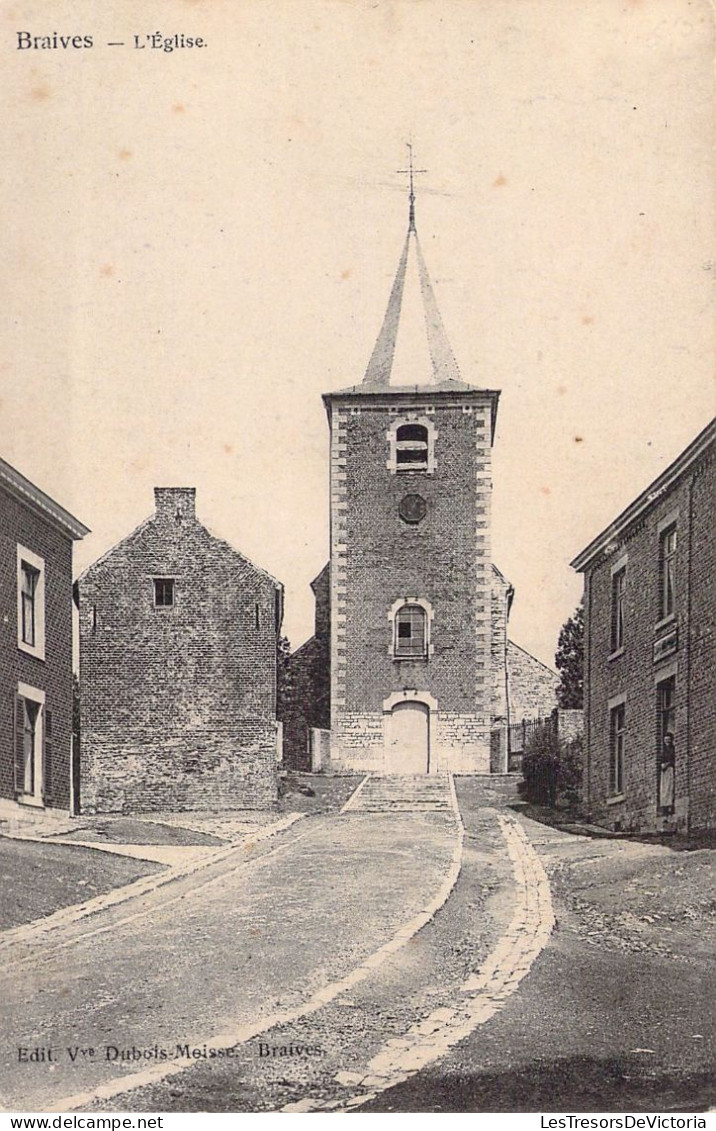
x,y
178,704
457,739
321,587
702,644
304,702
532,685
298,708
377,559
635,672
21,524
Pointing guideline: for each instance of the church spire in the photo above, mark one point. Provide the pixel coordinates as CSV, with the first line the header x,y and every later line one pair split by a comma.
x,y
412,322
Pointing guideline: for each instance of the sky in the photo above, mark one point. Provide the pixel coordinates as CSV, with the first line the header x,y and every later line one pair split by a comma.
x,y
198,243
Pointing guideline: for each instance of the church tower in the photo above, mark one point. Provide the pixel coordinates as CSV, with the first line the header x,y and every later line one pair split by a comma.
x,y
411,575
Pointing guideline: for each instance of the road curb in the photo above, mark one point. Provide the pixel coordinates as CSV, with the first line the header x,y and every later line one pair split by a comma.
x,y
68,915
351,802
481,995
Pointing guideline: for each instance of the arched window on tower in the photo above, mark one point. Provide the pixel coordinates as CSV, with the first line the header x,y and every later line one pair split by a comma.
x,y
411,632
411,449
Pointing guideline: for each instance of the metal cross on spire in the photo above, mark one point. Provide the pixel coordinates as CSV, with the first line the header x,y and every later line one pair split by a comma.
x,y
411,172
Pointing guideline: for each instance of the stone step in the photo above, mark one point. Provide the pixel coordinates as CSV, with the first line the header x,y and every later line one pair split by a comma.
x,y
404,794
411,791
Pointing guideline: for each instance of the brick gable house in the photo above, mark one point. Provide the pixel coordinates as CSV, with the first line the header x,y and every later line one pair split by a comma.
x,y
650,698
36,537
178,634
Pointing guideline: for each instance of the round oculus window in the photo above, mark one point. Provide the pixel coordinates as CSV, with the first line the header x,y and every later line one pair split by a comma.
x,y
413,508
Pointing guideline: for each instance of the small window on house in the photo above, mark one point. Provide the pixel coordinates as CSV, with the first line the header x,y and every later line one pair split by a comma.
x,y
163,592
617,733
411,449
667,572
618,595
411,632
257,617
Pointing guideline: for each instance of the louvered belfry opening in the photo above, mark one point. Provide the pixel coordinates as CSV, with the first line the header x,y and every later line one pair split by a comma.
x,y
412,445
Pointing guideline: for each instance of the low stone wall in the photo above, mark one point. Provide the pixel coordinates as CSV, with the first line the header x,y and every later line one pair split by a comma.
x,y
320,745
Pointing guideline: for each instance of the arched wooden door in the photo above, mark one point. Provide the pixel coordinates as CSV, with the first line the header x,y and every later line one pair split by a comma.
x,y
409,739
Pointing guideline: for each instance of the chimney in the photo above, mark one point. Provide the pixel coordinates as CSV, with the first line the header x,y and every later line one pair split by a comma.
x,y
175,504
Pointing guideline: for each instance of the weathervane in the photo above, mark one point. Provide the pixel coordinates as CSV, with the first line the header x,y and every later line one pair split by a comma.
x,y
411,173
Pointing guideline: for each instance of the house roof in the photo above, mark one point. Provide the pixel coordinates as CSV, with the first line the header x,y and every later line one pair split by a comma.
x,y
191,522
648,498
320,576
28,493
513,647
500,575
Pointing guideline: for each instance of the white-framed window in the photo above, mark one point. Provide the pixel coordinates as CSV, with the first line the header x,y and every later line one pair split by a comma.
x,y
411,619
30,603
163,592
412,444
617,737
33,736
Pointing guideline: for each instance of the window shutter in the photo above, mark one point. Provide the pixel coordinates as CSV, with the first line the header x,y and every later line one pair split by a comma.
x,y
18,746
47,758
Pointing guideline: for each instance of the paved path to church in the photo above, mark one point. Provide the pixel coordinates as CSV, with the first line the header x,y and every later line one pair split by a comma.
x,y
590,993
214,957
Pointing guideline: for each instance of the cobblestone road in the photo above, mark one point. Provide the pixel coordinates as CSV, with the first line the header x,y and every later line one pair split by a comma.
x,y
469,1017
347,973
409,1010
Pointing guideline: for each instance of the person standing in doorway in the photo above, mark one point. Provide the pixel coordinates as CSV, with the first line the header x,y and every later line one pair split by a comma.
x,y
667,772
